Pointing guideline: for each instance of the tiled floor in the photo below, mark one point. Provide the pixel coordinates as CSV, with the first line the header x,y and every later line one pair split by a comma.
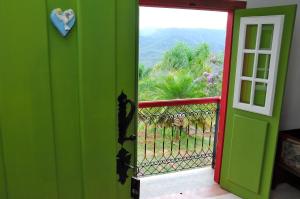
x,y
192,184
198,184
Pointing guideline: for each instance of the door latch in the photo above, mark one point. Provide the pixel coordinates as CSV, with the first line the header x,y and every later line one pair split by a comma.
x,y
124,119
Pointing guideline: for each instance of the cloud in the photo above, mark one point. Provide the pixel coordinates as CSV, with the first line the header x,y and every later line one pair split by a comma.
x,y
154,18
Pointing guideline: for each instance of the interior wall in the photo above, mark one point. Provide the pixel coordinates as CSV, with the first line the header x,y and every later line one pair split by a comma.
x,y
291,107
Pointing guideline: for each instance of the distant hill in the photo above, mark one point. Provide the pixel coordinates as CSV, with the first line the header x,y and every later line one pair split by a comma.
x,y
154,42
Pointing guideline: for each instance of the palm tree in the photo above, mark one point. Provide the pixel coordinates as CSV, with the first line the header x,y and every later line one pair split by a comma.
x,y
178,85
181,74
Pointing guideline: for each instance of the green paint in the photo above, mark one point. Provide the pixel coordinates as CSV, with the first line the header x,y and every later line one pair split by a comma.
x,y
243,137
58,108
260,94
64,91
25,102
251,33
249,147
263,65
127,73
245,91
266,36
248,64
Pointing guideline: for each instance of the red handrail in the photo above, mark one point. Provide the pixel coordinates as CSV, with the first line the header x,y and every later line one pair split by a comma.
x,y
178,102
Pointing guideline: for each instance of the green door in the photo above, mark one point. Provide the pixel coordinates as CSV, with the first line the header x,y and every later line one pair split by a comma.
x,y
261,43
58,98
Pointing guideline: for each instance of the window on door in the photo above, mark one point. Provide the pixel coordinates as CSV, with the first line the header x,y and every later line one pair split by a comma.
x,y
257,63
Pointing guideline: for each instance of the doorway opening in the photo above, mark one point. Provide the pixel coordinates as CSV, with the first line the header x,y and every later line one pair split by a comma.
x,y
181,61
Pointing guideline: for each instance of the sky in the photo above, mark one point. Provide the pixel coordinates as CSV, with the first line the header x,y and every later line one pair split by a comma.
x,y
154,18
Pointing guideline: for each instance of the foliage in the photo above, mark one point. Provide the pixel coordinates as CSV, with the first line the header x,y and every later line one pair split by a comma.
x,y
177,85
153,43
143,71
183,72
178,57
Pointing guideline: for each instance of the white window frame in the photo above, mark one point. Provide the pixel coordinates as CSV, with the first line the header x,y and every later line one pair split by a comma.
x,y
274,52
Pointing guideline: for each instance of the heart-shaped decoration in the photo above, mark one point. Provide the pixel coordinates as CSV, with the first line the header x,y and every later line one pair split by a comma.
x,y
63,20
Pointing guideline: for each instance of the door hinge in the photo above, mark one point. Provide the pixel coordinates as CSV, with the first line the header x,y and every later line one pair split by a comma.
x,y
135,188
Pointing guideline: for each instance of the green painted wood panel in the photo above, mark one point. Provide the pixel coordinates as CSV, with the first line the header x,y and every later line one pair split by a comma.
x,y
3,182
96,40
58,118
244,136
273,122
126,74
63,56
25,102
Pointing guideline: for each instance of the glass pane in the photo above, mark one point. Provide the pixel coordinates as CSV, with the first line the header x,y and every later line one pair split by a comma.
x,y
260,94
245,91
266,36
263,66
248,64
251,33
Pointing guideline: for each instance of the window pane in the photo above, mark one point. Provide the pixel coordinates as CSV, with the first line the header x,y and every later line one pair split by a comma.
x,y
248,64
245,91
266,36
263,66
251,33
260,94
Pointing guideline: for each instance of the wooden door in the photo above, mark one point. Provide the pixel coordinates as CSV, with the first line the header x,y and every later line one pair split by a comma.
x,y
58,98
261,43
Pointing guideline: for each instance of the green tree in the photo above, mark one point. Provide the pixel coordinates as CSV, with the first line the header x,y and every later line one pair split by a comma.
x,y
143,71
178,85
201,54
184,72
177,57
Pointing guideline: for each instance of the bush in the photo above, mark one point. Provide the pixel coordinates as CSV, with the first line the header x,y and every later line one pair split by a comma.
x,y
184,72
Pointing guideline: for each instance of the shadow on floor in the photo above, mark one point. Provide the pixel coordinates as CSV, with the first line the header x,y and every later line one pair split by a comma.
x,y
285,191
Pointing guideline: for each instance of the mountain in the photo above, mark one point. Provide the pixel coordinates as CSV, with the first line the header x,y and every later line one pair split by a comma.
x,y
154,42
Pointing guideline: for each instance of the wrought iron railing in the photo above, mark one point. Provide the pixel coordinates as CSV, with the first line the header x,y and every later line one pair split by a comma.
x,y
176,135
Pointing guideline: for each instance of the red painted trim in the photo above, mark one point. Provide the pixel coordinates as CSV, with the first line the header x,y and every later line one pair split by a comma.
x,y
179,102
223,105
217,5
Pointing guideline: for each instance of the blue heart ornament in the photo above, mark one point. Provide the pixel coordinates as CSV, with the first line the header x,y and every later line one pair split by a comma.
x,y
63,20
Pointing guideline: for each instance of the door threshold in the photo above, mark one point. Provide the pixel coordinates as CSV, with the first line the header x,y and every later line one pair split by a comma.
x,y
193,183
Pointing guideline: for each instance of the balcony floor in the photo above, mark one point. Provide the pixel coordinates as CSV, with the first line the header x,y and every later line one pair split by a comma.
x,y
190,184
197,184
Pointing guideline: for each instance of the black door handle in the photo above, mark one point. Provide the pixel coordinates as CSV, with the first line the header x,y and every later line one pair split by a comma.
x,y
124,119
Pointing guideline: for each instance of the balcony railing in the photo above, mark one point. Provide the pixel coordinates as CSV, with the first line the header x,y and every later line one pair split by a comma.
x,y
176,135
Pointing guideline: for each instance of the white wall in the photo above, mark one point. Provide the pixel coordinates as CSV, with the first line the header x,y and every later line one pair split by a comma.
x,y
290,117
